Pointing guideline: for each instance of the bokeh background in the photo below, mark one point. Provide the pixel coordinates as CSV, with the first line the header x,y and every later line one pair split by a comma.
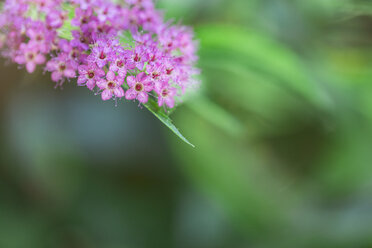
x,y
282,128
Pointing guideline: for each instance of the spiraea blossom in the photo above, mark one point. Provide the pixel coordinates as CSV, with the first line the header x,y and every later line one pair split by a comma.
x,y
118,51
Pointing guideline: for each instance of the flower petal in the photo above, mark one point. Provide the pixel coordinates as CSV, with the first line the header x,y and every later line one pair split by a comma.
x,y
99,72
110,76
56,76
70,73
113,67
90,84
143,97
106,95
169,101
160,101
122,72
119,80
102,84
140,65
20,59
130,65
101,63
83,69
39,59
119,92
131,94
131,81
81,80
30,66
141,77
148,87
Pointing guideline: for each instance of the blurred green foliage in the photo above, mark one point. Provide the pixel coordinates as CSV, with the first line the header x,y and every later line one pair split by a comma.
x,y
283,132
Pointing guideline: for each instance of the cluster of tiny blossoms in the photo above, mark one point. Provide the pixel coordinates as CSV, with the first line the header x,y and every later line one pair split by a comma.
x,y
116,50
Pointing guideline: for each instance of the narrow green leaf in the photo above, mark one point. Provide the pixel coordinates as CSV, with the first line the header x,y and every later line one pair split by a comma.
x,y
163,117
260,53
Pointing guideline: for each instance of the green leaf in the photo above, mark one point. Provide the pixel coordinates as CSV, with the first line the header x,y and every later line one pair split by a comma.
x,y
126,38
163,117
261,54
34,14
218,116
65,32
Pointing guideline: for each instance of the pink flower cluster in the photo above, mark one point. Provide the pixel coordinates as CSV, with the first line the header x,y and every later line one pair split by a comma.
x,y
119,51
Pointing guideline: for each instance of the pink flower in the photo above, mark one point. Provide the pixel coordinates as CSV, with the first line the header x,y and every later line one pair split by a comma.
x,y
156,71
111,86
139,87
55,18
30,56
139,57
89,75
40,37
82,39
102,53
166,94
75,53
82,17
61,67
119,65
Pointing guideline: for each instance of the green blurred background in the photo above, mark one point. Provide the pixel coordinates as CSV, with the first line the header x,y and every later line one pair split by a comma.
x,y
282,128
